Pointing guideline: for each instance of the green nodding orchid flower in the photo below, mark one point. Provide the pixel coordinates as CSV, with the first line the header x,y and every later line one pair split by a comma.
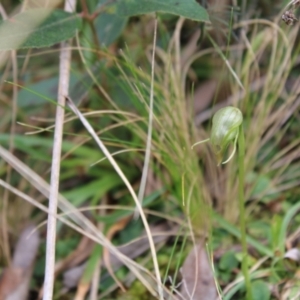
x,y
225,130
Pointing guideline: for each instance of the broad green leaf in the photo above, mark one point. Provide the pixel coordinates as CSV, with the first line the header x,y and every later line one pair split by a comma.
x,y
109,27
189,9
260,290
79,86
37,28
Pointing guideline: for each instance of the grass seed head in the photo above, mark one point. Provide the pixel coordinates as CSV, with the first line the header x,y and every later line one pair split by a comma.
x,y
289,17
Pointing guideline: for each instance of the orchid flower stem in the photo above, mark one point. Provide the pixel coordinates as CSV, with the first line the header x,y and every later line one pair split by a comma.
x,y
227,128
241,156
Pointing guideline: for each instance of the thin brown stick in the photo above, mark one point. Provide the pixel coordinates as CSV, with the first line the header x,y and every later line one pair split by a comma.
x,y
63,89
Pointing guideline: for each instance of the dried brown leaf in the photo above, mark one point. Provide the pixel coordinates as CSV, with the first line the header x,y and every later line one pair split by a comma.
x,y
14,281
291,290
293,254
197,276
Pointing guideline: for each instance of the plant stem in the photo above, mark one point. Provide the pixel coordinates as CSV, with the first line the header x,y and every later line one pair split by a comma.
x,y
142,188
241,156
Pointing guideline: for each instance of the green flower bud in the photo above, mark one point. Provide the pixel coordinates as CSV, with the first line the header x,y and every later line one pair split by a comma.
x,y
225,130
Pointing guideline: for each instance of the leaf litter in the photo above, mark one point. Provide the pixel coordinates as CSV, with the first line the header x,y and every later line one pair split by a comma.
x,y
15,279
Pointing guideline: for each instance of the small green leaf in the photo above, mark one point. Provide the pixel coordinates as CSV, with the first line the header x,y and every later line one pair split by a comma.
x,y
260,290
228,261
189,9
37,28
47,86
